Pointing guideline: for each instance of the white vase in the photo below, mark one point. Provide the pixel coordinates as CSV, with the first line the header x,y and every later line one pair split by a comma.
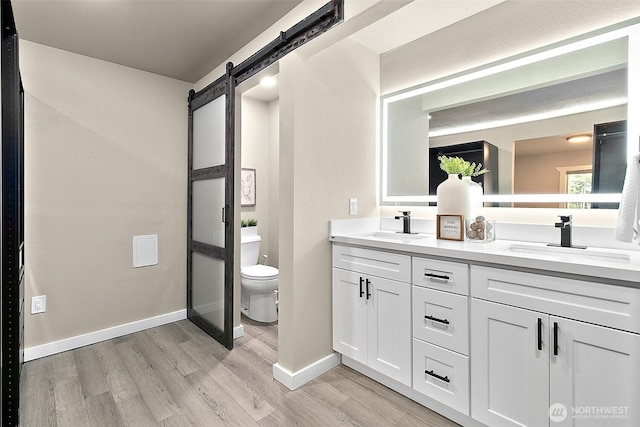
x,y
476,194
249,231
454,197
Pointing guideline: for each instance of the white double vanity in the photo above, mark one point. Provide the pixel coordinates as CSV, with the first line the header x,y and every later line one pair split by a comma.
x,y
505,333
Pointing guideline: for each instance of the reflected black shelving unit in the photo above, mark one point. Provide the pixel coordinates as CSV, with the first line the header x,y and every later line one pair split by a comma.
x,y
609,160
476,152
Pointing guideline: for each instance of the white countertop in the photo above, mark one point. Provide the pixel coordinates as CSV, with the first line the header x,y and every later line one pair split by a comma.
x,y
613,266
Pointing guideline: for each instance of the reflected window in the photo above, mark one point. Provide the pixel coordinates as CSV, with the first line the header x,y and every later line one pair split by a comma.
x,y
579,182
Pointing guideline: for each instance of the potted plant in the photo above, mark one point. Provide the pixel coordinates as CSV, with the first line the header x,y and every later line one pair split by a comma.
x,y
453,165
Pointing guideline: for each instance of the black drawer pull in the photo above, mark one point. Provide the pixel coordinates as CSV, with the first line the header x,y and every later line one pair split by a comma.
x,y
435,319
433,374
437,276
361,290
555,338
368,282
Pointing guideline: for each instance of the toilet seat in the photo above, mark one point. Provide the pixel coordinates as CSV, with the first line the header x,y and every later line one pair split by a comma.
x,y
259,272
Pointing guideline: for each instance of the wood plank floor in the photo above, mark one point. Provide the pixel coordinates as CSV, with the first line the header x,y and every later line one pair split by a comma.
x,y
175,375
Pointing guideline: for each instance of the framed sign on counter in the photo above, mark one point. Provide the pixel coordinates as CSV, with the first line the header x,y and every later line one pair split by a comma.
x,y
450,227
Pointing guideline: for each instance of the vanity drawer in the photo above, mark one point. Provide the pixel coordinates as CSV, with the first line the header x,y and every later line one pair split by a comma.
x,y
442,275
599,303
441,318
377,263
441,374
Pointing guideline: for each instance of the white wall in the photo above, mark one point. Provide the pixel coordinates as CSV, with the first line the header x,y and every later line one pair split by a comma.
x,y
537,174
106,159
328,126
517,26
273,247
259,148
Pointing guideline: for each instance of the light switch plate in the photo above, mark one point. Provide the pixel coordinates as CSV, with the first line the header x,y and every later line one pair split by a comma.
x,y
353,206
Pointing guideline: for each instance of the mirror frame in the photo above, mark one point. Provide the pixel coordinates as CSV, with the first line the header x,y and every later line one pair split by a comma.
x,y
628,29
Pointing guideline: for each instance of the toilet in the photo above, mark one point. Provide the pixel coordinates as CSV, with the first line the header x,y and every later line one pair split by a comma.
x,y
259,283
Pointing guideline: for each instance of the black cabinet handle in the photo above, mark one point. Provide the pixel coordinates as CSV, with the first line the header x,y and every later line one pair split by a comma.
x,y
433,374
555,338
435,319
361,289
368,293
437,276
539,334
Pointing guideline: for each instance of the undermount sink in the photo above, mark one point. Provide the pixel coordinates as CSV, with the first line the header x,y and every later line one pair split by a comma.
x,y
392,235
565,253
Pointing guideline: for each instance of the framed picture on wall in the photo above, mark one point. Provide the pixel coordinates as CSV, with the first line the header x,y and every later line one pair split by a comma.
x,y
247,187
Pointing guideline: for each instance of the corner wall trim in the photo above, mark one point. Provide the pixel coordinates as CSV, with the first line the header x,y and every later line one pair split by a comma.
x,y
293,380
238,331
66,344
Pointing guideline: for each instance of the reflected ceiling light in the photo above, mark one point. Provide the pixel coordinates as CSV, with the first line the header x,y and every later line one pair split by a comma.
x,y
550,114
268,81
577,139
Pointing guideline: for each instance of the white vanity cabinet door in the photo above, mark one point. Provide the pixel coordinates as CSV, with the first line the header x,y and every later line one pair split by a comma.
x,y
350,315
389,311
372,322
596,368
509,372
441,318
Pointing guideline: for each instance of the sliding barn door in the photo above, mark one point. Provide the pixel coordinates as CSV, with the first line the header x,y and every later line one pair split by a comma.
x,y
210,209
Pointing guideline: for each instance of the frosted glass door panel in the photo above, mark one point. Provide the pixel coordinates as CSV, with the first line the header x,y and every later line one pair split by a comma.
x,y
208,134
208,201
208,288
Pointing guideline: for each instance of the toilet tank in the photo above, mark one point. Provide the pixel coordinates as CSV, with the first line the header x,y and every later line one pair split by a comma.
x,y
249,250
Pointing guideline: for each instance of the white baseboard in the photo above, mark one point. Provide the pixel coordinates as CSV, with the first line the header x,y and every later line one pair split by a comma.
x,y
66,344
293,380
238,332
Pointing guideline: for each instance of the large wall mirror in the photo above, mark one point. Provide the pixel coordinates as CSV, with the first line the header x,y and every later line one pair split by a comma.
x,y
555,127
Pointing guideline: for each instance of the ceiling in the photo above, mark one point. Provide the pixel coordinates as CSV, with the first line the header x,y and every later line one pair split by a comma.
x,y
181,39
186,39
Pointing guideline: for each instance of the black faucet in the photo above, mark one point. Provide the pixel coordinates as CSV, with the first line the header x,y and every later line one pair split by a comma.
x,y
565,233
565,230
406,222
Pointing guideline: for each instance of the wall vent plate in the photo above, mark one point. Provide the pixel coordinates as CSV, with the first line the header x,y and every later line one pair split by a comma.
x,y
145,250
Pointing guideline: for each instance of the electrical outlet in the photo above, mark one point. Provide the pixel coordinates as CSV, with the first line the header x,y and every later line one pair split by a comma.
x,y
38,304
